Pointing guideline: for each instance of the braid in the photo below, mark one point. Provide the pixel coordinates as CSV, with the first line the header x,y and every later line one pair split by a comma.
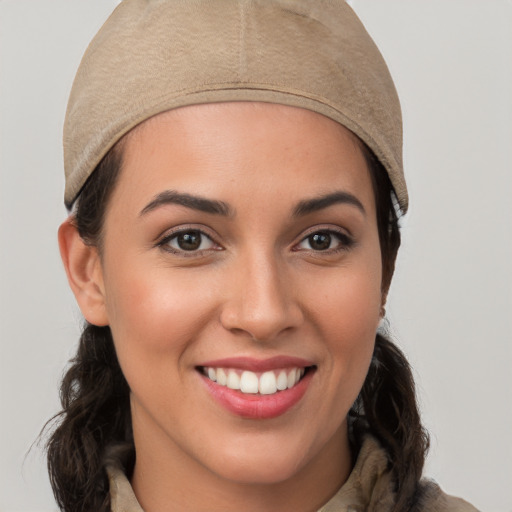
x,y
95,414
387,408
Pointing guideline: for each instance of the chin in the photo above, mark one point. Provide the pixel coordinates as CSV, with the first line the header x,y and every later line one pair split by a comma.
x,y
264,459
260,470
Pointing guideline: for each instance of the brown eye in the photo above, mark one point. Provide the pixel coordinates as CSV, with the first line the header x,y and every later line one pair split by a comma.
x,y
327,241
190,240
320,241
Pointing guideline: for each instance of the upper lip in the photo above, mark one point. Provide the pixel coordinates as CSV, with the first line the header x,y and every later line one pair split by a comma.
x,y
258,365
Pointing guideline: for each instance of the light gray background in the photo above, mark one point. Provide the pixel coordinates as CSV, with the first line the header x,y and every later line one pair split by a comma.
x,y
451,302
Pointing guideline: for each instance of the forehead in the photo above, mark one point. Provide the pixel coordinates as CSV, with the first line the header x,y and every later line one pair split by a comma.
x,y
242,148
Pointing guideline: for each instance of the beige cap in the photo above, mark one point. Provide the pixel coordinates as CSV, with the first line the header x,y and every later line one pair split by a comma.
x,y
155,55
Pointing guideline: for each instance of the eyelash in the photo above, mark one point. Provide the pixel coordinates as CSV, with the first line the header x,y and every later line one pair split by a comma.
x,y
164,243
345,242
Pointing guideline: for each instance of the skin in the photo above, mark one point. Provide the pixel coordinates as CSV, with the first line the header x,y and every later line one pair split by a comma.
x,y
257,288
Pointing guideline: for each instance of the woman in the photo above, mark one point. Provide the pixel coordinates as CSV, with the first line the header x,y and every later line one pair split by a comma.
x,y
231,168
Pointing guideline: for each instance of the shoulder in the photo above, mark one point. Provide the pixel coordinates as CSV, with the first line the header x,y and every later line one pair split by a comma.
x,y
431,498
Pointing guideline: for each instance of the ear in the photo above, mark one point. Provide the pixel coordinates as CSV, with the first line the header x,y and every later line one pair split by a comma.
x,y
85,275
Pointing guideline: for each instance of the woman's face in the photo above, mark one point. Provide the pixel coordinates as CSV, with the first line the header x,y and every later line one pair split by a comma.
x,y
241,249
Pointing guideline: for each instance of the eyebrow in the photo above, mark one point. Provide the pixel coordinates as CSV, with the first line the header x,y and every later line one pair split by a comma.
x,y
215,207
189,201
319,203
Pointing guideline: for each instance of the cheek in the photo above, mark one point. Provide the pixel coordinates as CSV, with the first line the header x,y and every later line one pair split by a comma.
x,y
346,313
157,318
350,325
348,300
153,311
349,330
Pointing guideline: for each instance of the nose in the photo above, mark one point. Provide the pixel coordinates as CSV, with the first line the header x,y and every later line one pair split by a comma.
x,y
261,302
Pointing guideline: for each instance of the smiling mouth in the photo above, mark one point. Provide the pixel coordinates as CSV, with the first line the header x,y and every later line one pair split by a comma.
x,y
263,383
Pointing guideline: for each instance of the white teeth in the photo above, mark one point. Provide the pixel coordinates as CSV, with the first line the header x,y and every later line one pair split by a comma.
x,y
233,381
249,382
267,383
291,378
282,381
221,377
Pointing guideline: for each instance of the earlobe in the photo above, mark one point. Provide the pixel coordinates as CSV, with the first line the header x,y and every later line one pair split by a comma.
x,y
83,269
383,300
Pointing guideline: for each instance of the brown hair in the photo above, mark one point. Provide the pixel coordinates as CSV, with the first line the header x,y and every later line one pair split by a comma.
x,y
95,414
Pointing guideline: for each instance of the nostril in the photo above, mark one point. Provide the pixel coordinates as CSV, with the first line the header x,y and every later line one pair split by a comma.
x,y
261,323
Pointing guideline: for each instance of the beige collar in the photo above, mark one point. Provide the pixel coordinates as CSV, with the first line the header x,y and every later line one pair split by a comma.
x,y
368,488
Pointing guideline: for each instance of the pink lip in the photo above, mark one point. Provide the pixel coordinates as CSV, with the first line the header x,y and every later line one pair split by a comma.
x,y
258,365
256,406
